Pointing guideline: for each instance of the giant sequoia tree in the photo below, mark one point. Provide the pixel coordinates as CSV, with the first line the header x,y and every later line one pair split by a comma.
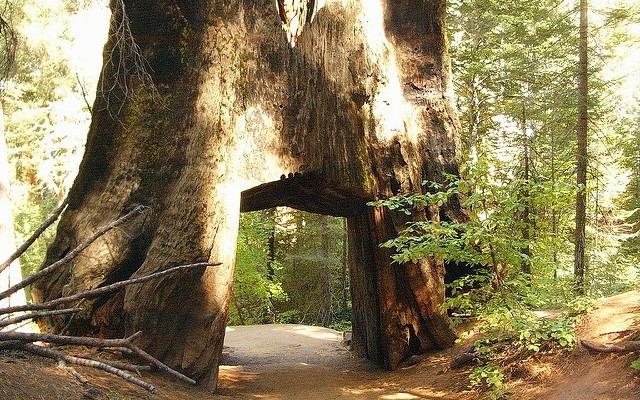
x,y
357,110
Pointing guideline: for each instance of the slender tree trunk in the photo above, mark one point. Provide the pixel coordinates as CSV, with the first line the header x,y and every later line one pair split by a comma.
x,y
361,106
525,196
269,215
580,266
554,211
327,304
344,272
11,275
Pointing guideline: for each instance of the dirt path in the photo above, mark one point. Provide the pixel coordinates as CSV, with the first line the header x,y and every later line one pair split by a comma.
x,y
302,362
306,362
291,362
588,376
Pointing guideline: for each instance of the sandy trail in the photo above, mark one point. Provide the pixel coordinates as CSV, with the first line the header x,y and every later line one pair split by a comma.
x,y
308,362
291,362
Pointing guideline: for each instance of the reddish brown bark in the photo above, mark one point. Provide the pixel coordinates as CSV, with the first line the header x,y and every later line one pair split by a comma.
x,y
360,106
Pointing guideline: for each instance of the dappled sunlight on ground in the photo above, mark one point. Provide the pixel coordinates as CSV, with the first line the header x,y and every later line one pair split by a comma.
x,y
582,375
615,315
310,362
296,362
315,332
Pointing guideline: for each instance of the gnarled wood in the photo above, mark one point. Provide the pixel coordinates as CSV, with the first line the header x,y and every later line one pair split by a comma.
x,y
360,106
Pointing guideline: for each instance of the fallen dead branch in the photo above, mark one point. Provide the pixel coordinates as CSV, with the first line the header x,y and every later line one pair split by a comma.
x,y
25,341
27,337
117,364
14,320
73,253
101,290
20,251
622,347
63,366
59,356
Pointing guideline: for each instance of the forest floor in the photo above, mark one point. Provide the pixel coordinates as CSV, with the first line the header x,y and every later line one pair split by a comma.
x,y
303,362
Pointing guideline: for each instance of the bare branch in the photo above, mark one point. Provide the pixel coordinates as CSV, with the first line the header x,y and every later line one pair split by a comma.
x,y
121,350
84,94
62,364
126,61
34,236
10,344
116,364
24,317
23,340
56,355
622,347
101,290
73,253
93,342
73,340
159,365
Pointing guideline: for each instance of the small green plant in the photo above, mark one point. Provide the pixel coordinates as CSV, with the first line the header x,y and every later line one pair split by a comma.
x,y
536,333
341,325
580,305
635,364
491,378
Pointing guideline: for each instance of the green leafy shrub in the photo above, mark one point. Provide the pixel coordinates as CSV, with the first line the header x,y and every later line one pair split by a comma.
x,y
635,364
510,281
489,376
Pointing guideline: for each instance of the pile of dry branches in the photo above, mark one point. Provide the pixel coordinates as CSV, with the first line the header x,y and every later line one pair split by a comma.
x,y
40,343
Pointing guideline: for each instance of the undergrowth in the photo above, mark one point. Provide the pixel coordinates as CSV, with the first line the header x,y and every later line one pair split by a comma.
x,y
512,269
512,331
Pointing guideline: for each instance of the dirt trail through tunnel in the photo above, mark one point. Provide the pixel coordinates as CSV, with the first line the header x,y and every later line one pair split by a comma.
x,y
297,362
302,362
307,362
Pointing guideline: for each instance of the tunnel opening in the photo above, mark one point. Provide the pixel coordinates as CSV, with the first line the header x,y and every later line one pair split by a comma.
x,y
333,270
291,267
307,206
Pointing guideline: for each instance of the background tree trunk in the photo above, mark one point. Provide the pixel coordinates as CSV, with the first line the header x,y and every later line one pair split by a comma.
x,y
12,274
579,263
360,106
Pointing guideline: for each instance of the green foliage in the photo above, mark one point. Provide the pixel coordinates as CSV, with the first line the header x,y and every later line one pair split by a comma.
x,y
44,101
28,217
255,289
511,330
291,268
489,376
313,252
496,236
513,275
635,364
514,68
512,335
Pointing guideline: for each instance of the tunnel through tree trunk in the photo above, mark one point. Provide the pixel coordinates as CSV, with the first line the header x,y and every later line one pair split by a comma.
x,y
358,110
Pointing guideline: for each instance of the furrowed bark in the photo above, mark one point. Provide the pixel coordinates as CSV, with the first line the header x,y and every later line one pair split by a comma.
x,y
359,110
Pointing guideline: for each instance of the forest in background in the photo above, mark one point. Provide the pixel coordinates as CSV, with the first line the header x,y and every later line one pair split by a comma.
x,y
515,76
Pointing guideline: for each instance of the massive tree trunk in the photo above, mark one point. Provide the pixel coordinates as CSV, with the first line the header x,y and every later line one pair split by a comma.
x,y
358,110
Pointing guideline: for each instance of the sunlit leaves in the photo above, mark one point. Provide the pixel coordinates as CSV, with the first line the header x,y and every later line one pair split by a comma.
x,y
290,268
45,109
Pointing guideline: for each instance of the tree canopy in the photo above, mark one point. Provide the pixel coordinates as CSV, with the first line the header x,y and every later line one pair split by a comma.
x,y
515,78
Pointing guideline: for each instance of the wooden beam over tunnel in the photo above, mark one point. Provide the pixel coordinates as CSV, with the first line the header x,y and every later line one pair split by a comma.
x,y
306,192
